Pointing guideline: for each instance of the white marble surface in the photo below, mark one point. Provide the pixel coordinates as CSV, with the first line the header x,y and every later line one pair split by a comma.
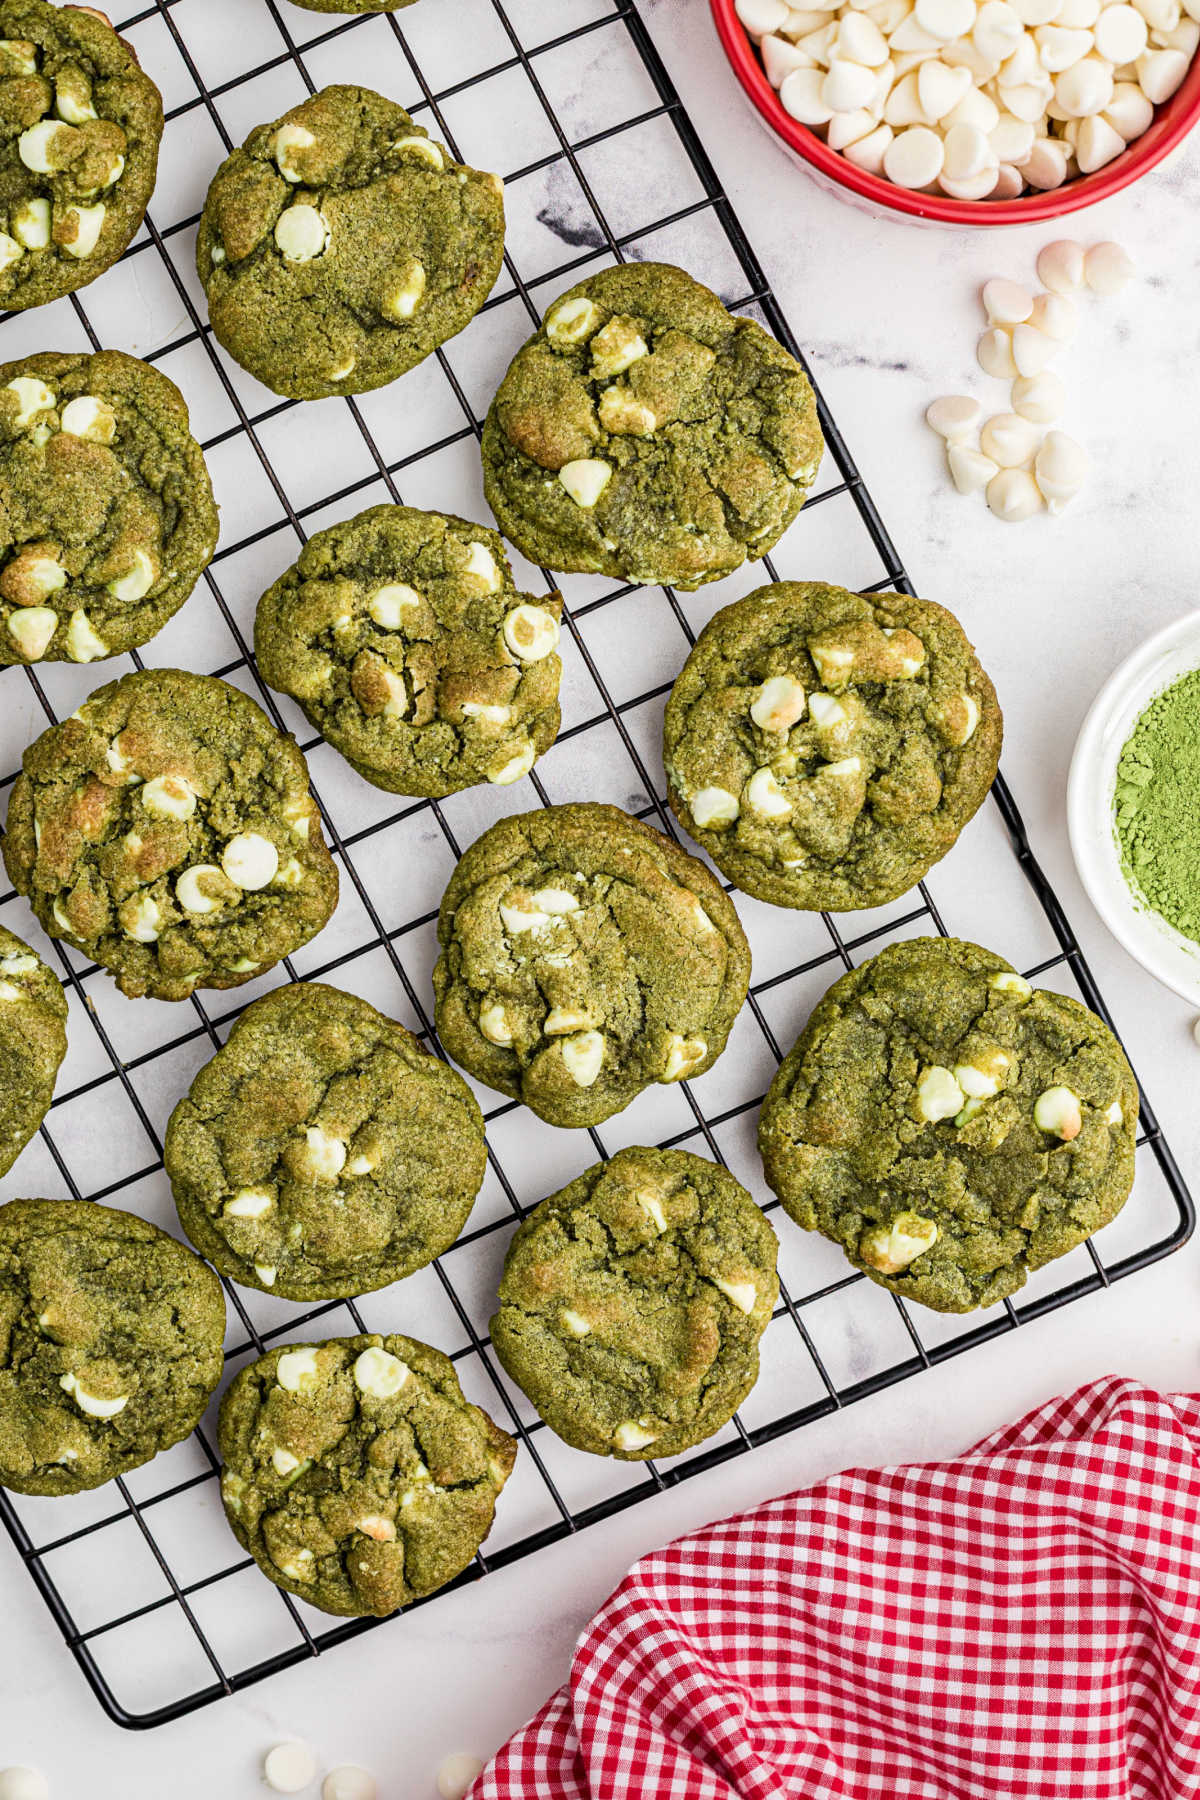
x,y
889,316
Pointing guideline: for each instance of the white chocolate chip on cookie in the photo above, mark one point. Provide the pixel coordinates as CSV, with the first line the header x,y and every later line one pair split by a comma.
x,y
423,149
83,644
585,479
302,233
779,703
97,1406
30,224
482,565
137,580
764,796
33,397
938,1095
403,300
583,1056
891,1248
621,413
31,628
684,1055
190,893
494,1025
250,860
1007,981
380,1374
743,1294
1058,1111
290,138
391,604
170,796
88,416
713,807
571,321
324,1156
249,1203
297,1371
531,632
574,1322
141,918
81,229
633,1434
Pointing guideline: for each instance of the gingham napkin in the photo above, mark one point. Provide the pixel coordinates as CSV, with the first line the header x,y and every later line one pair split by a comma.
x,y
1022,1621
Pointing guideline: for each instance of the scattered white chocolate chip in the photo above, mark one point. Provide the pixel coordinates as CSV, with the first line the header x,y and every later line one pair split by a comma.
x,y
31,628
455,1775
494,1025
583,1056
561,1020
290,138
1058,1111
743,1294
297,1370
30,224
248,1203
531,632
1013,496
970,470
33,397
953,416
633,1434
95,1405
764,796
994,354
1060,469
574,1322
585,479
302,233
713,807
349,1782
1039,398
190,894
482,564
137,580
88,416
1009,440
982,1081
684,1054
250,860
1032,349
141,919
938,1094
324,1156
1006,302
297,1567
651,1205
85,234
571,321
1107,268
389,604
778,704
83,644
891,1248
380,1374
170,796
1060,266
20,1782
377,1528
289,1768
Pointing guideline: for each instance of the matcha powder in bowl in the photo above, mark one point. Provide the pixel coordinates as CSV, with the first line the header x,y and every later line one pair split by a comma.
x,y
1156,805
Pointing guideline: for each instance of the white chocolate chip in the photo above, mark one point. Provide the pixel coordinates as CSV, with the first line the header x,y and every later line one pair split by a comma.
x,y
248,1203
423,148
494,1025
20,58
713,807
1039,398
349,1782
684,1056
380,1374
34,146
585,479
651,1205
266,1273
137,581
914,158
743,1294
1032,349
574,1322
779,703
972,711
1009,440
283,1462
763,795
1007,981
503,774
290,138
1108,267
86,235
982,1082
33,397
556,900
302,233
491,715
1058,1111
190,894
20,1782
563,1019
141,919
518,916
289,1768
95,1405
938,1094
31,224
994,354
376,1527
970,470
1006,302
250,860
953,416
891,1248
454,1777
83,644
843,769
297,1371
1060,469
583,1056
324,1156
1115,1115
388,605
530,632
404,299
633,1434
1060,266
1012,495
87,416
482,564
170,796
620,412
31,628
571,321
298,1566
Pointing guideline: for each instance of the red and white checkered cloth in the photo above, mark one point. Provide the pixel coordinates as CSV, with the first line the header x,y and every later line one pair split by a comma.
x,y
1022,1621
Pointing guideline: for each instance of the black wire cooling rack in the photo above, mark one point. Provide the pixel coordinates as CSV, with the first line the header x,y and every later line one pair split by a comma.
x,y
158,1606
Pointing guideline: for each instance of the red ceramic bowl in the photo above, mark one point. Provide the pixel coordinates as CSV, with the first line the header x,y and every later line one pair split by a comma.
x,y
1172,122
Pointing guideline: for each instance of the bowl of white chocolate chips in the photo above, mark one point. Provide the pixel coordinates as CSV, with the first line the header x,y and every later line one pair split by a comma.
x,y
971,112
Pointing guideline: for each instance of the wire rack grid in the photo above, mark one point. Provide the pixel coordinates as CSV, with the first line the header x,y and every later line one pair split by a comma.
x,y
160,1610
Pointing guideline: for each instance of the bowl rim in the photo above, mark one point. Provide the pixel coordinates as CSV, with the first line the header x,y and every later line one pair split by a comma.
x,y
1172,122
1133,684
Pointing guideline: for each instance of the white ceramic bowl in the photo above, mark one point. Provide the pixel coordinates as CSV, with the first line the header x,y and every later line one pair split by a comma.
x,y
1159,662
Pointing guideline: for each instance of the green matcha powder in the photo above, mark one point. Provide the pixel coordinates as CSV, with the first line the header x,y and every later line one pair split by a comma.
x,y
1157,805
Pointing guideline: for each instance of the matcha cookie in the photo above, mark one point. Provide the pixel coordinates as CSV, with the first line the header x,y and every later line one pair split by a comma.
x,y
826,748
951,1127
111,1340
356,1474
323,1152
107,518
647,434
354,6
632,1303
402,636
33,1042
81,126
166,830
585,956
341,245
